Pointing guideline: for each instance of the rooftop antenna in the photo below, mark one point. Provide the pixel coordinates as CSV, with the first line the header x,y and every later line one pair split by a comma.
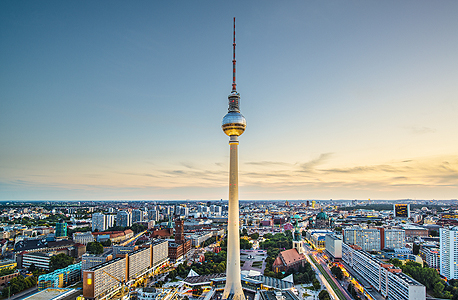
x,y
234,85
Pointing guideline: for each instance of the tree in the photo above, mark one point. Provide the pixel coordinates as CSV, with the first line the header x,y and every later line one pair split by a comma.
x,y
94,248
324,295
316,284
434,233
60,261
106,243
32,267
254,236
337,272
396,262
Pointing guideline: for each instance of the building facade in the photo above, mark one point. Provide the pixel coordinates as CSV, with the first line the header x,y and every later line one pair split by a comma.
x,y
449,252
124,218
384,277
99,222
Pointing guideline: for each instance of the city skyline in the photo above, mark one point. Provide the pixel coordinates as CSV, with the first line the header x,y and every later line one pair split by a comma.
x,y
344,100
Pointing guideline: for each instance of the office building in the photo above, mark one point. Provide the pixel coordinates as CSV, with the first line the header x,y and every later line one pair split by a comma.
x,y
333,246
401,211
38,259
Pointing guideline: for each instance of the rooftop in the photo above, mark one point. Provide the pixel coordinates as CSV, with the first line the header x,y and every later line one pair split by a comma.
x,y
52,293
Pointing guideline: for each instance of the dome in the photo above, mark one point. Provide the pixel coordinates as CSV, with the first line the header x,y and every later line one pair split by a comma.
x,y
234,123
322,216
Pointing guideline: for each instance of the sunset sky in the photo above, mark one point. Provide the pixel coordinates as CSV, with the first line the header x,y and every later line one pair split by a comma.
x,y
110,100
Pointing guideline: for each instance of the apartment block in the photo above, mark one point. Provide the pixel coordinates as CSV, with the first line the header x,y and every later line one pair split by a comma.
x,y
384,277
449,252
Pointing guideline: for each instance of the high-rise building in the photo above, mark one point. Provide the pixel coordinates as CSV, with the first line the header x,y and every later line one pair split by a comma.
x,y
61,229
233,125
110,221
124,218
153,215
137,216
374,239
449,252
401,210
99,222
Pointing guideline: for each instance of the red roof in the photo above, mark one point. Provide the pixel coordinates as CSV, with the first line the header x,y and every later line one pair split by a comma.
x,y
288,257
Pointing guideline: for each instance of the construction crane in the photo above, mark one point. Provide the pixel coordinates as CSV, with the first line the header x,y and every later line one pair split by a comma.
x,y
122,283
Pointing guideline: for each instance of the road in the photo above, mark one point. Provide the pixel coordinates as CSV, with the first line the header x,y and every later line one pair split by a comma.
x,y
322,277
24,294
325,267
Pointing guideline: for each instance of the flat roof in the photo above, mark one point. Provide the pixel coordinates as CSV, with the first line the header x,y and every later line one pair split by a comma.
x,y
51,293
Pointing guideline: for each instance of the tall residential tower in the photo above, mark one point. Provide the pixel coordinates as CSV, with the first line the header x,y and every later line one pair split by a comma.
x,y
234,124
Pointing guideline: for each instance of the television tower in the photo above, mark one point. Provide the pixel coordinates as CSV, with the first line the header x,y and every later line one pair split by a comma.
x,y
234,124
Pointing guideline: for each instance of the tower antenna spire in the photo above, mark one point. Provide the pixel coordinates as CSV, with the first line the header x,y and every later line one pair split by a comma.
x,y
234,85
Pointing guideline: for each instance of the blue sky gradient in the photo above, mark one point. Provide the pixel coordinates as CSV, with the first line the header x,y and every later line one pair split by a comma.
x,y
124,100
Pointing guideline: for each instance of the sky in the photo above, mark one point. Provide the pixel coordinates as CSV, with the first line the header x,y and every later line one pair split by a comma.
x,y
123,100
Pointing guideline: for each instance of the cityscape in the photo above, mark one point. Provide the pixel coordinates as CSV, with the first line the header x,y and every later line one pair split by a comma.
x,y
343,185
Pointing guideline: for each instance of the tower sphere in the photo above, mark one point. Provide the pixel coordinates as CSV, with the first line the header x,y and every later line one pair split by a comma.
x,y
234,123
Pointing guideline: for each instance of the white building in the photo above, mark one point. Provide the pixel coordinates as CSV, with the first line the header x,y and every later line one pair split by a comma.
x,y
83,237
38,259
99,222
333,246
449,252
431,256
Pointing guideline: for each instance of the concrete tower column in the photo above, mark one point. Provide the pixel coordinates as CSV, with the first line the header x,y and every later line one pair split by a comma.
x,y
233,280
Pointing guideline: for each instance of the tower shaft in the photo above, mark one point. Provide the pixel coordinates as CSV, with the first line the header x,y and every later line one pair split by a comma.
x,y
233,286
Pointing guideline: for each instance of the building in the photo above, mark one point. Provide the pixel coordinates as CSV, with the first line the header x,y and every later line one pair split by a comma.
x,y
374,239
181,246
449,252
137,216
83,237
401,211
38,259
288,259
99,222
333,246
431,256
91,260
124,218
99,281
153,215
110,220
61,229
393,238
200,237
8,264
60,278
383,277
